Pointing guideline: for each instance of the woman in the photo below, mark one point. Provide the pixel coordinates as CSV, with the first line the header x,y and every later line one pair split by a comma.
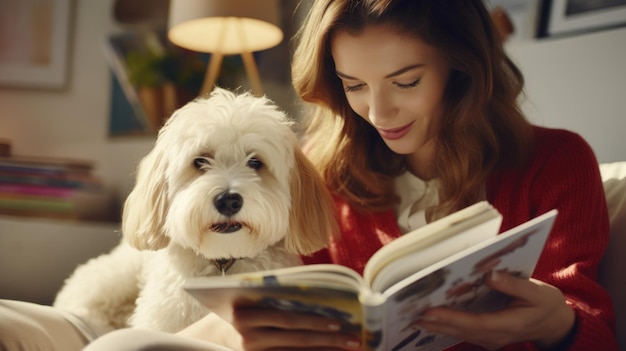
x,y
421,102
416,116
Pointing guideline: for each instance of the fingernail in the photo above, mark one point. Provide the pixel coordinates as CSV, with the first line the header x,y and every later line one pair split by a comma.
x,y
495,276
353,344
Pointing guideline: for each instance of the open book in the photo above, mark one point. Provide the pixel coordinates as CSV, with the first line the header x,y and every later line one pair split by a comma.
x,y
444,263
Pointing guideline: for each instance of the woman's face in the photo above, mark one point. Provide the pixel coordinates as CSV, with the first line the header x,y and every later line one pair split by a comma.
x,y
396,83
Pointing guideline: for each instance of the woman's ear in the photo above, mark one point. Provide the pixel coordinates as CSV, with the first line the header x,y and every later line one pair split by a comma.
x,y
312,219
146,207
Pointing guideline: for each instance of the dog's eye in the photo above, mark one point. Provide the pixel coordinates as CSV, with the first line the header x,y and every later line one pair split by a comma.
x,y
255,163
201,162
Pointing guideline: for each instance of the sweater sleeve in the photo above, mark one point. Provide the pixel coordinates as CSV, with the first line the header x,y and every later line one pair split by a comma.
x,y
570,181
565,175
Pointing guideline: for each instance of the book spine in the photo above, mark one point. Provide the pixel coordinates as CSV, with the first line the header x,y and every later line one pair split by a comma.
x,y
44,181
36,190
373,336
46,163
52,187
82,205
39,214
52,170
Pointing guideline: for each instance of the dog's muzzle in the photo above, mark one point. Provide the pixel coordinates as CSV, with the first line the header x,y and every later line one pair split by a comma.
x,y
228,204
226,227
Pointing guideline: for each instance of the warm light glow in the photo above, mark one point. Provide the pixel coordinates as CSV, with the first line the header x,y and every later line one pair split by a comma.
x,y
226,27
226,35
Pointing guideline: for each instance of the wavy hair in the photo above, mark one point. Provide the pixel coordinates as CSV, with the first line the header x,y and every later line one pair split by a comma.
x,y
482,127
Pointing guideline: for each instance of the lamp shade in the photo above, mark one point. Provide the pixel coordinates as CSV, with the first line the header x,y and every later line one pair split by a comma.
x,y
224,26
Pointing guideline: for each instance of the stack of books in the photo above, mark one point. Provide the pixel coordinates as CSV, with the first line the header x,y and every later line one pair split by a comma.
x,y
52,188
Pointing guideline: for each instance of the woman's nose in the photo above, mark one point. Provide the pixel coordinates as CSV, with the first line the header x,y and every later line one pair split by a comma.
x,y
380,106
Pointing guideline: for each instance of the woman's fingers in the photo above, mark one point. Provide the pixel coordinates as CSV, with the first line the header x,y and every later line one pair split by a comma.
x,y
264,338
490,330
265,329
519,288
537,312
256,317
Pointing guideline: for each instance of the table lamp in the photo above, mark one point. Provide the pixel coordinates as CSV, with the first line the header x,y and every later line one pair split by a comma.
x,y
225,27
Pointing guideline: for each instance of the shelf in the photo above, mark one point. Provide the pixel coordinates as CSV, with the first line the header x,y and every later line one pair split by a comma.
x,y
37,255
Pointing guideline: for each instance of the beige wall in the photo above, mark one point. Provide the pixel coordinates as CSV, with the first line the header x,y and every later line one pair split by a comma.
x,y
577,83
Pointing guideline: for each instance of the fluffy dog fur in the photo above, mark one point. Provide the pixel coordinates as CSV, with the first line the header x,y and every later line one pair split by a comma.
x,y
225,179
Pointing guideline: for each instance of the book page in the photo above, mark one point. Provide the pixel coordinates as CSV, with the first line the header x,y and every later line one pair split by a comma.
x,y
459,282
454,233
342,305
219,292
323,275
405,266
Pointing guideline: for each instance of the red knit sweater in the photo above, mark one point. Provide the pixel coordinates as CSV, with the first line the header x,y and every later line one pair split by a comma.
x,y
564,175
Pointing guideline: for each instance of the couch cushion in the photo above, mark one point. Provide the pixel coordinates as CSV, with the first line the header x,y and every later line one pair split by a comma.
x,y
614,261
614,179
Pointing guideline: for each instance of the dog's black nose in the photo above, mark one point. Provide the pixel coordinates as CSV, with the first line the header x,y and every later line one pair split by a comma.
x,y
228,203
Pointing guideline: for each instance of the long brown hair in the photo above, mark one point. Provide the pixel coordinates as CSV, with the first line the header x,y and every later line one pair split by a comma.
x,y
482,127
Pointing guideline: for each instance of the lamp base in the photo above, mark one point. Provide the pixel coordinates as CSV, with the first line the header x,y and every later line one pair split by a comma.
x,y
213,70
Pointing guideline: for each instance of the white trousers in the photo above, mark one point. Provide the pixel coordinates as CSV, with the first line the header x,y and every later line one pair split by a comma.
x,y
26,326
149,340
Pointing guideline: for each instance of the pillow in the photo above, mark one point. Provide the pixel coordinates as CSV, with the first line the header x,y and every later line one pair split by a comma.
x,y
614,181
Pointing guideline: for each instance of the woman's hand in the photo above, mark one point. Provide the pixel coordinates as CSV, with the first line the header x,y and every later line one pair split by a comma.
x,y
538,313
265,329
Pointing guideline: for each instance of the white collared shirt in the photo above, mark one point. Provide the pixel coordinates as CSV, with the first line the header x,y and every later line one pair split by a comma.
x,y
416,195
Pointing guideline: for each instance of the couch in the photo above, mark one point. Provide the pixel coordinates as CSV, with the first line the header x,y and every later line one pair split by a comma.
x,y
614,261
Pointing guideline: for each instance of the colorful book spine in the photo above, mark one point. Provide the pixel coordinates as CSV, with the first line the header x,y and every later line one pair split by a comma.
x,y
52,187
36,190
44,181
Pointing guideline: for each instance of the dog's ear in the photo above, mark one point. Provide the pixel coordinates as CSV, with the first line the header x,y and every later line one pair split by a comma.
x,y
313,220
146,206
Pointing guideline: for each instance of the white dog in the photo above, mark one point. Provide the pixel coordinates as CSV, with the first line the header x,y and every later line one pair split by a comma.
x,y
225,189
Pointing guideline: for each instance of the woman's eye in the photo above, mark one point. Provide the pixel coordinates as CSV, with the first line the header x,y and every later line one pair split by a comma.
x,y
355,87
408,86
201,162
255,163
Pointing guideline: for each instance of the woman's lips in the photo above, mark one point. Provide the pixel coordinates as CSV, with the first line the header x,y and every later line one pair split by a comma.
x,y
394,134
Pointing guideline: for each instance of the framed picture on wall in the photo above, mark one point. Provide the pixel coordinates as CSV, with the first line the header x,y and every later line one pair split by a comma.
x,y
34,36
567,17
